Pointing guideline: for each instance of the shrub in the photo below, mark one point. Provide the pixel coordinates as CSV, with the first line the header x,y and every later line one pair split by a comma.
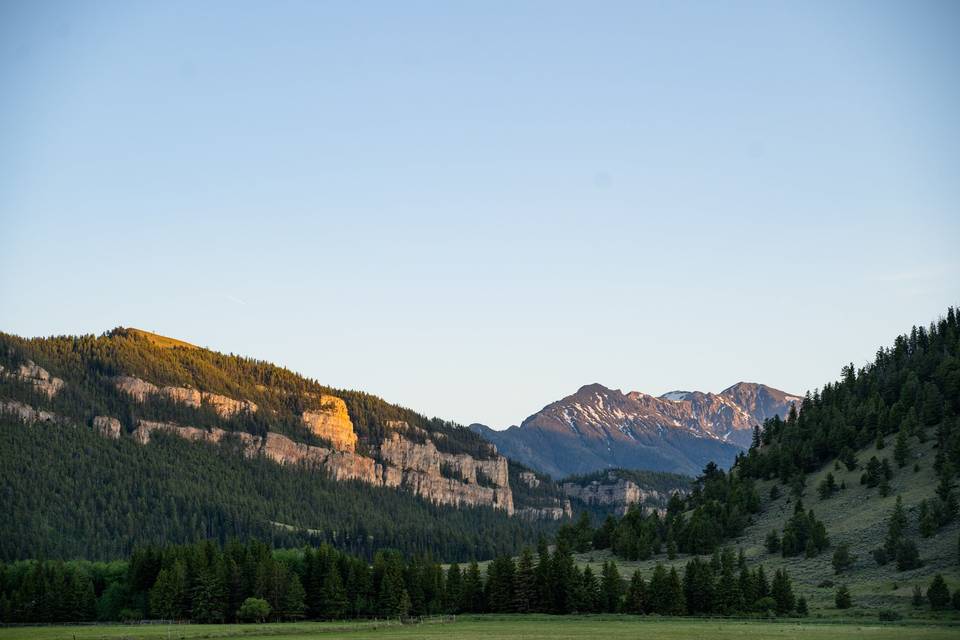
x,y
254,610
888,615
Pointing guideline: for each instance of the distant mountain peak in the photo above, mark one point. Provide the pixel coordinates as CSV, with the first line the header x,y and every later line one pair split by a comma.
x,y
598,427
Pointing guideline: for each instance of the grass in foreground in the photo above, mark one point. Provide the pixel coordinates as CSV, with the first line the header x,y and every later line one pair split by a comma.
x,y
529,627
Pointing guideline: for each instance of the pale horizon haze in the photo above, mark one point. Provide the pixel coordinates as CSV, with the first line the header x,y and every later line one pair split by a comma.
x,y
473,209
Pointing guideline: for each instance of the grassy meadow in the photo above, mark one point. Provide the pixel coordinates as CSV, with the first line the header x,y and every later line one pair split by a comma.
x,y
490,627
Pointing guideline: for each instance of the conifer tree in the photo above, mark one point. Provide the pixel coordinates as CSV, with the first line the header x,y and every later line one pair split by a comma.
x,y
454,589
842,599
612,587
636,601
938,593
901,451
525,584
782,592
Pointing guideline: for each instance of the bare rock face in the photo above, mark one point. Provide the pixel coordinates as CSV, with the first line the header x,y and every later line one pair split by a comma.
x,y
547,513
228,407
225,407
621,494
406,465
26,413
427,472
147,427
332,422
530,479
36,375
136,388
107,427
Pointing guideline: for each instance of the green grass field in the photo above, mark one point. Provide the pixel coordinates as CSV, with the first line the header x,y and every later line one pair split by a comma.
x,y
529,627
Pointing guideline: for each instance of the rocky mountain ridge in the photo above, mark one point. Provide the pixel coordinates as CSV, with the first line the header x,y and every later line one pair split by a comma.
x,y
597,428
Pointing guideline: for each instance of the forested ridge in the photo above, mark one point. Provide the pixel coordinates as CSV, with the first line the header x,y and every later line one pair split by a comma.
x,y
90,363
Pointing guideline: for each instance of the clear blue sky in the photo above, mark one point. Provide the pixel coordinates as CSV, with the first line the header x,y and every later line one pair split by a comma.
x,y
473,208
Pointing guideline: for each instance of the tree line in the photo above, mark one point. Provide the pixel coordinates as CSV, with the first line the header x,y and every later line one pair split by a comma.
x,y
209,583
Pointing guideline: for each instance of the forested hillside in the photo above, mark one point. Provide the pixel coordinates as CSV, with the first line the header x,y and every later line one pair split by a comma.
x,y
129,438
854,495
70,493
89,365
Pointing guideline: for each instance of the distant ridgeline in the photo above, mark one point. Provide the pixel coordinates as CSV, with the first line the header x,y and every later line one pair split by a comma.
x,y
114,440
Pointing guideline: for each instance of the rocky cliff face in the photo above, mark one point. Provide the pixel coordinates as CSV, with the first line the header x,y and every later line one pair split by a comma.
x,y
26,413
225,407
37,376
332,423
598,428
418,468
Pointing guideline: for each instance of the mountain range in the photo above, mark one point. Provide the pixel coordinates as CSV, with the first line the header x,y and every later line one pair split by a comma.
x,y
680,431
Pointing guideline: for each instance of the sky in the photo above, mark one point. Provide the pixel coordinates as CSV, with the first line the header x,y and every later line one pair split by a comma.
x,y
472,209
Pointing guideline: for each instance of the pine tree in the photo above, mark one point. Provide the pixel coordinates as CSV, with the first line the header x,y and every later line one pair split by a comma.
x,y
499,587
782,592
802,609
587,598
454,589
938,593
659,592
636,601
842,558
333,597
901,451
842,599
472,598
294,605
677,607
525,584
896,525
612,587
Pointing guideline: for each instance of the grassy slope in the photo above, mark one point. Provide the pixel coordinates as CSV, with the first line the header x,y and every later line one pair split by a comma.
x,y
529,627
857,516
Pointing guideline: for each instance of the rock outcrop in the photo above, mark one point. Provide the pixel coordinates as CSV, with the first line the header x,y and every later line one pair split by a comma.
x,y
36,375
107,427
26,413
617,492
225,407
547,513
332,423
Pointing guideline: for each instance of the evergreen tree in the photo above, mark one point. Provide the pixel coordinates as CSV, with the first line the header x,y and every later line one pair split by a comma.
x,y
901,451
333,596
525,584
782,592
842,599
454,589
938,594
472,598
842,558
612,588
636,601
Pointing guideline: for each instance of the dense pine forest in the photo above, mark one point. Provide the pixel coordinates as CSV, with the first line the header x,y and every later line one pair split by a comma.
x,y
209,583
205,582
68,492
